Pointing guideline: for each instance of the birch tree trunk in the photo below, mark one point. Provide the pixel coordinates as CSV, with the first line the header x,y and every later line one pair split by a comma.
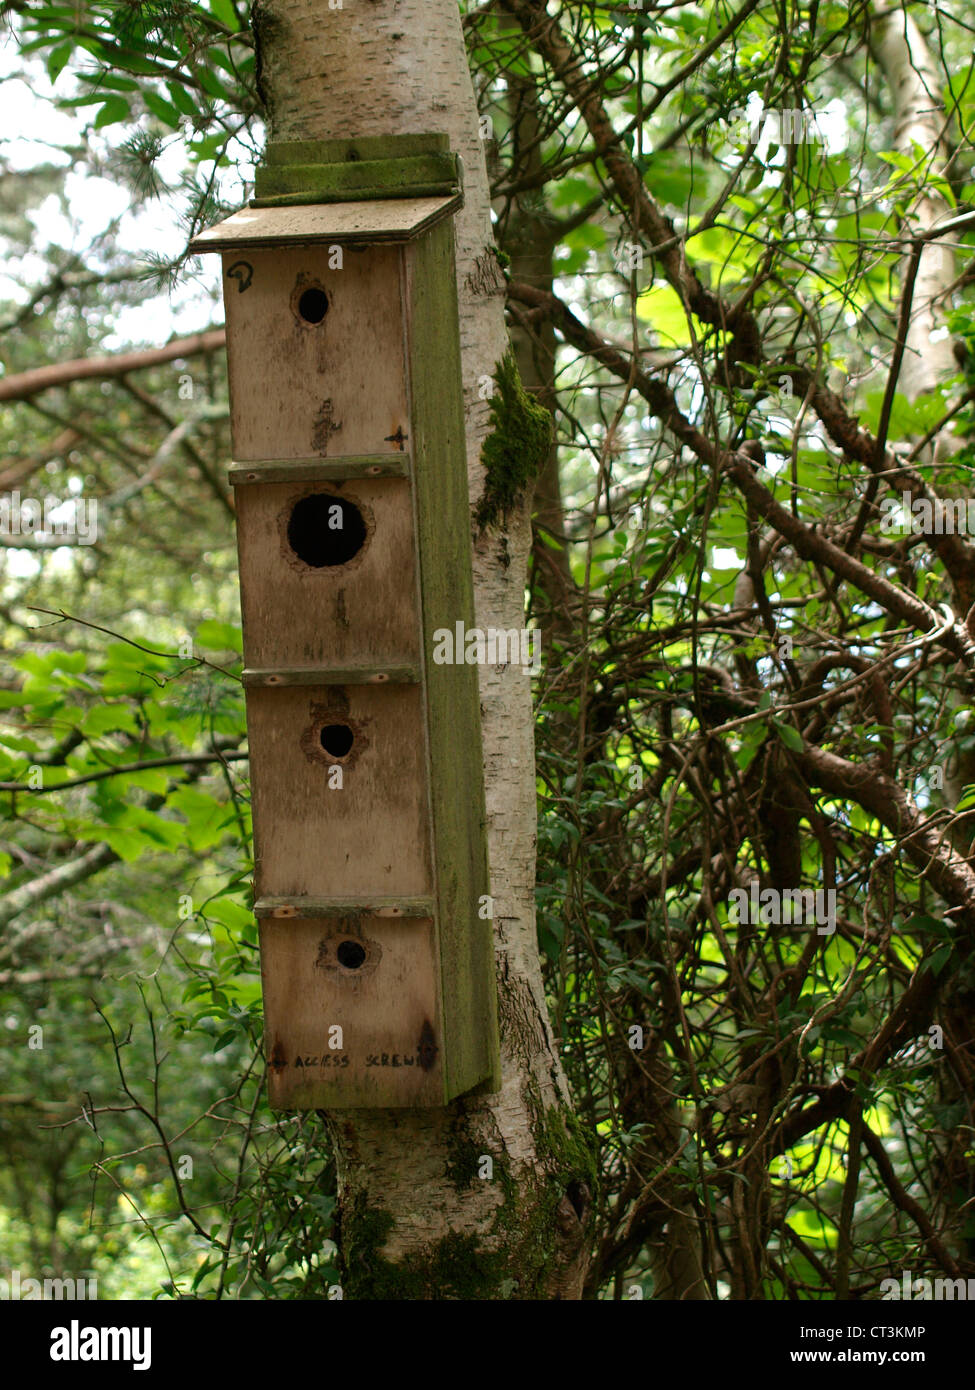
x,y
421,1212
919,125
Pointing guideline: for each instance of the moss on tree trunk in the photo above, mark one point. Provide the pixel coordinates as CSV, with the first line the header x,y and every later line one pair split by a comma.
x,y
515,451
523,1254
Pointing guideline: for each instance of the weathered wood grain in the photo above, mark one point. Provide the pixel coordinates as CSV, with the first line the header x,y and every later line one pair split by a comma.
x,y
321,470
344,907
336,675
369,837
362,613
391,1050
301,389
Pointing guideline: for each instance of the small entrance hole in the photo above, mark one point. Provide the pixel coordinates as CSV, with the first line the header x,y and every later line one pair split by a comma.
x,y
337,739
313,305
325,530
350,954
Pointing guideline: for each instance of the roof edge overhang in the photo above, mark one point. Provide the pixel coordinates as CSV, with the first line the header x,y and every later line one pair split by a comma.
x,y
373,220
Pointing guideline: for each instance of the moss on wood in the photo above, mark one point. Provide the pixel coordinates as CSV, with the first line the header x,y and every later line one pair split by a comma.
x,y
516,450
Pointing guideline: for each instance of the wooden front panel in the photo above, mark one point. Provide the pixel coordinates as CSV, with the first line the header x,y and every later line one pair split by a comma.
x,y
368,838
323,609
383,998
301,386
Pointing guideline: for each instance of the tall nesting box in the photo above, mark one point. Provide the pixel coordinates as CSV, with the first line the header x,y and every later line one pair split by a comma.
x,y
353,530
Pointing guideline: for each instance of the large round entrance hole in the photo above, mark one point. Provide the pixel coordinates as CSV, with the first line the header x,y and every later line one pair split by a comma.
x,y
350,954
312,304
325,530
337,739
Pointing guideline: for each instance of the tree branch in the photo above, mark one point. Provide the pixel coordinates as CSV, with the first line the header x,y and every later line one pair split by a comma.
x,y
22,385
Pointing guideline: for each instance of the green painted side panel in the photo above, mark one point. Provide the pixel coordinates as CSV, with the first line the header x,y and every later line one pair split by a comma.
x,y
352,149
456,773
377,178
353,195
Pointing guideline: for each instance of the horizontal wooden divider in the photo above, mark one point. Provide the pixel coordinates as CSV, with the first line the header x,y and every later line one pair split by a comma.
x,y
325,470
344,907
335,675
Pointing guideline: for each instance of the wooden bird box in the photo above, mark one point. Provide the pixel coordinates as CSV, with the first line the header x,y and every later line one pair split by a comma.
x,y
347,422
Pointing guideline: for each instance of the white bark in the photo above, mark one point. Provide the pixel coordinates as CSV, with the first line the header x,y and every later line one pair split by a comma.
x,y
915,88
385,67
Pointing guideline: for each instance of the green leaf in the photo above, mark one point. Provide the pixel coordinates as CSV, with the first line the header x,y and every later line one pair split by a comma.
x,y
224,11
58,58
203,1270
115,109
789,736
165,110
229,913
109,82
210,83
939,958
934,926
108,718
127,844
182,99
220,636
